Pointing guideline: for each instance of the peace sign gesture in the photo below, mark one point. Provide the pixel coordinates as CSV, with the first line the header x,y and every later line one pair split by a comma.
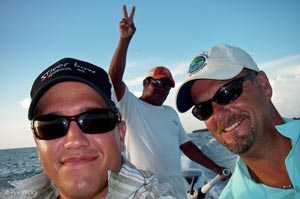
x,y
126,25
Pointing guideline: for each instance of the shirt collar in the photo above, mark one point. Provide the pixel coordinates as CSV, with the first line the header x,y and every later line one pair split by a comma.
x,y
290,129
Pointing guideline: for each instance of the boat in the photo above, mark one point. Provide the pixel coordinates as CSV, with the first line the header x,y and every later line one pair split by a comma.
x,y
197,184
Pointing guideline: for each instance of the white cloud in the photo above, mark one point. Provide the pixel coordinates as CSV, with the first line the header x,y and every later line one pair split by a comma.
x,y
284,76
286,95
25,102
281,62
135,82
180,69
287,66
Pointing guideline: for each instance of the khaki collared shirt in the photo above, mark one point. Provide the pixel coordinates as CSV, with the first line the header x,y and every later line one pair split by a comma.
x,y
128,183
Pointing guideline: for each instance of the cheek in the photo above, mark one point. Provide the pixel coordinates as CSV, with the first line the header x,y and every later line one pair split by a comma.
x,y
210,125
48,153
212,128
110,147
106,142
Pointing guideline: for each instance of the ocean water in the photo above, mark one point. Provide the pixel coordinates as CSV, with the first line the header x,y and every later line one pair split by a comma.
x,y
16,164
215,151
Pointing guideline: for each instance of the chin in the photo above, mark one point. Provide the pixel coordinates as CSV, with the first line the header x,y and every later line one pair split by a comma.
x,y
83,188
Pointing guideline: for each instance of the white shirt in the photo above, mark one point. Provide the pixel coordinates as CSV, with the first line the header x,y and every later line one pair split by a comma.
x,y
153,136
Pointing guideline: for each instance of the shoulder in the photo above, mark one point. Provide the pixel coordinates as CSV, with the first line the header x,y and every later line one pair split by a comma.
x,y
247,187
36,186
169,109
143,183
127,94
129,100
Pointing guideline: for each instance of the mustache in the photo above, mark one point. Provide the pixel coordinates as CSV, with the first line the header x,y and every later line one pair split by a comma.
x,y
228,121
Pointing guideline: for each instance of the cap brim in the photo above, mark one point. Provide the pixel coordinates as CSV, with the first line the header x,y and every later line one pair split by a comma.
x,y
184,99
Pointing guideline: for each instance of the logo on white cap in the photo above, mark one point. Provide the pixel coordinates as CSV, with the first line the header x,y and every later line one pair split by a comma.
x,y
198,63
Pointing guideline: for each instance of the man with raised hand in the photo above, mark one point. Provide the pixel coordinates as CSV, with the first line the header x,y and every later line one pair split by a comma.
x,y
155,136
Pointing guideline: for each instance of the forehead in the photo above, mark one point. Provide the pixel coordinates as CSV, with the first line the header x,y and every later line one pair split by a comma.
x,y
206,84
69,95
70,87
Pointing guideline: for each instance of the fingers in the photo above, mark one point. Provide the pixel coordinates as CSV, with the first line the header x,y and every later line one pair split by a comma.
x,y
132,13
125,14
122,22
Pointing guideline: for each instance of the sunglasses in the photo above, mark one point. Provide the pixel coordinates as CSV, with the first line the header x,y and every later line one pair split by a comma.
x,y
96,121
225,95
160,84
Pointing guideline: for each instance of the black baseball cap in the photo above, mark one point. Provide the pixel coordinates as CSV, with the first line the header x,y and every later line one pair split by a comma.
x,y
69,69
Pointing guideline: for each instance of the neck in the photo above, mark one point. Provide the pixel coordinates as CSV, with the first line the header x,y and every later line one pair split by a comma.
x,y
267,166
150,101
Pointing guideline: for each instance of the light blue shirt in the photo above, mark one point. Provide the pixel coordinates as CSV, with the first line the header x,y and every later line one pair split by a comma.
x,y
242,186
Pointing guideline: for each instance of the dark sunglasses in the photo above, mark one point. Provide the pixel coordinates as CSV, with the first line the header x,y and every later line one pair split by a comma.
x,y
160,84
225,95
96,121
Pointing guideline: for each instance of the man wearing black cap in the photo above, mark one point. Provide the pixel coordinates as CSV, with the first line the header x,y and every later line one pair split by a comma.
x,y
80,136
155,134
233,97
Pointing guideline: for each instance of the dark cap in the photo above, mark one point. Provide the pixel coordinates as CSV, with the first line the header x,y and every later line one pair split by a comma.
x,y
69,69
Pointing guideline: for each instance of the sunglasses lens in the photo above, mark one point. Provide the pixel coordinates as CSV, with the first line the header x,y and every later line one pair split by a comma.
x,y
98,121
228,93
160,84
157,83
225,95
203,110
50,127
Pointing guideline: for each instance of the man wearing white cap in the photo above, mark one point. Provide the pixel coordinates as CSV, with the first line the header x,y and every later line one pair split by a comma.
x,y
154,135
233,97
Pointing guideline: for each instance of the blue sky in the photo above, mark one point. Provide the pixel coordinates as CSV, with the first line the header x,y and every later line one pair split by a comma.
x,y
34,34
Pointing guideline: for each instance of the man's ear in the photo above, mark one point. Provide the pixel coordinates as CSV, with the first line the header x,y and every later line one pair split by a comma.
x,y
145,82
264,83
122,132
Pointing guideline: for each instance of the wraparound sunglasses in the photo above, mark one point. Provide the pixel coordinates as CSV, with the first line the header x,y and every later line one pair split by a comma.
x,y
96,121
225,95
160,84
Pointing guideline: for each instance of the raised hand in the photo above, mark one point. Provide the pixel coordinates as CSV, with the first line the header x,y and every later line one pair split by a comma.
x,y
126,25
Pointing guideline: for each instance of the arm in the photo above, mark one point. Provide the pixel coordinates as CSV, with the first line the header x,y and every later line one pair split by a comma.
x,y
195,154
118,62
